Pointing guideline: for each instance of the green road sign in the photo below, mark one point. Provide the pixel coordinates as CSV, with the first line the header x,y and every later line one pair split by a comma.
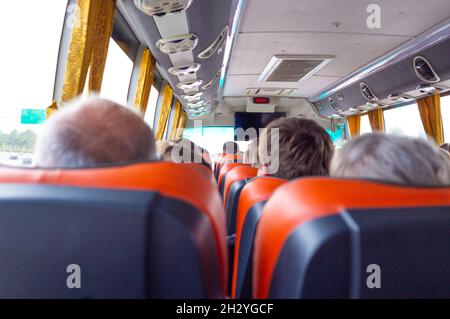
x,y
32,116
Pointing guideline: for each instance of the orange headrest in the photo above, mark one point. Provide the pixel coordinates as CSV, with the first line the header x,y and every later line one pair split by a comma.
x,y
306,199
226,168
258,190
187,182
238,173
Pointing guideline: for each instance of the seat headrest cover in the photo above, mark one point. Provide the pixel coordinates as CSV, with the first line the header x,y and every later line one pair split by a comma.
x,y
306,199
186,182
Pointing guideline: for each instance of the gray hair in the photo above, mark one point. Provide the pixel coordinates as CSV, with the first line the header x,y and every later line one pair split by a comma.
x,y
397,159
94,132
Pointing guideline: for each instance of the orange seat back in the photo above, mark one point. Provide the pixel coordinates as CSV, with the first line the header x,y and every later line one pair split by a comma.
x,y
252,199
186,183
335,229
237,173
226,167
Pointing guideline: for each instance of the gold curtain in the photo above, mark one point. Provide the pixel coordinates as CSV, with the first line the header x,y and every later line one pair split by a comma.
x,y
430,114
376,120
354,124
174,134
165,111
181,123
145,82
80,50
91,32
51,109
103,27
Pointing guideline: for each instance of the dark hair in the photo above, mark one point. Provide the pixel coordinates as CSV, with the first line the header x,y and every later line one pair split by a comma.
x,y
230,148
305,148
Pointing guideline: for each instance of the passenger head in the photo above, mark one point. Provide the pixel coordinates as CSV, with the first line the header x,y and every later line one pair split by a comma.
x,y
390,158
230,148
185,151
195,151
164,149
94,132
293,147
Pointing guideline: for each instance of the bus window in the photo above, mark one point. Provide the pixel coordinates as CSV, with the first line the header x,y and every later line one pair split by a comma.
x,y
445,110
30,38
210,138
151,107
404,120
365,125
118,69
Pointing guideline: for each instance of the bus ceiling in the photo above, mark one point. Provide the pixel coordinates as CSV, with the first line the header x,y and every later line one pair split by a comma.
x,y
333,63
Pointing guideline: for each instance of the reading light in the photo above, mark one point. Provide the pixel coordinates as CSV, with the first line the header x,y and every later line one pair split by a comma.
x,y
177,44
162,7
185,69
426,88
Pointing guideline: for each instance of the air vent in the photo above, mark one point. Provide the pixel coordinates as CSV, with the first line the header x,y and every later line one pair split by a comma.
x,y
189,85
160,8
424,70
213,80
219,42
287,68
367,93
190,69
196,104
192,97
334,105
179,43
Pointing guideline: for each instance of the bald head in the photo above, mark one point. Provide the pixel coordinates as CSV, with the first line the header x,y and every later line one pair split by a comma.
x,y
94,132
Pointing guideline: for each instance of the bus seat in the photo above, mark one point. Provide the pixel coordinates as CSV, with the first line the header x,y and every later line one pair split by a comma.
x,y
237,173
226,168
145,230
330,238
227,158
201,169
251,202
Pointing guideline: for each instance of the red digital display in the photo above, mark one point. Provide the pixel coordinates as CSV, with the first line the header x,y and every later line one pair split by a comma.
x,y
261,100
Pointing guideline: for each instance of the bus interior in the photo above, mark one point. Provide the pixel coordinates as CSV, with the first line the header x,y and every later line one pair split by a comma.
x,y
214,71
